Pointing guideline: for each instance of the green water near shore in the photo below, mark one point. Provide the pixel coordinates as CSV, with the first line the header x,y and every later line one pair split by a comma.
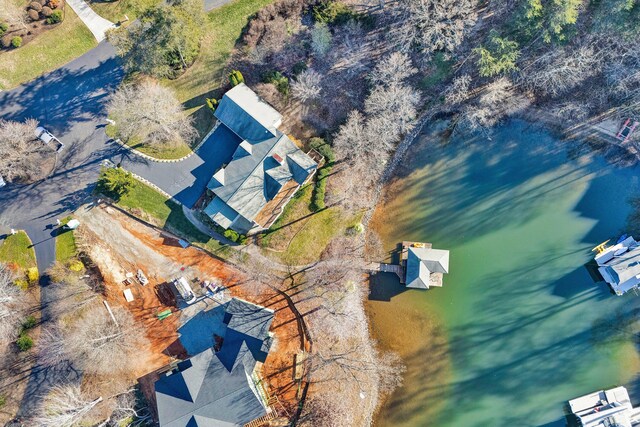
x,y
519,326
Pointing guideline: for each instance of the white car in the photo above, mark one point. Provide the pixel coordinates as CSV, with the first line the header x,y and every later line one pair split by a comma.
x,y
45,136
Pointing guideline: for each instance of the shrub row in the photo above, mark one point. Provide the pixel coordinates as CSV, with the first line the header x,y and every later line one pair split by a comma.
x,y
319,190
235,236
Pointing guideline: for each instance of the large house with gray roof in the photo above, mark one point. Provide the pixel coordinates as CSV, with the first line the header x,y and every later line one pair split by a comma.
x,y
267,168
220,389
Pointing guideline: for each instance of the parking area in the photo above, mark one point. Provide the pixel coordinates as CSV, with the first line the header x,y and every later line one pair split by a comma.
x,y
187,179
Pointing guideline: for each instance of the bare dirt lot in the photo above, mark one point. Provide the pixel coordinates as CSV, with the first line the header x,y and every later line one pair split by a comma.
x,y
119,244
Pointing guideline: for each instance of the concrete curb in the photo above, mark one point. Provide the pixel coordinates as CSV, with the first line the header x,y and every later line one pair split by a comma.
x,y
153,159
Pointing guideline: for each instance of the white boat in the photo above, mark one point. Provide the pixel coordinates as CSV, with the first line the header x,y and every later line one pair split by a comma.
x,y
619,265
605,408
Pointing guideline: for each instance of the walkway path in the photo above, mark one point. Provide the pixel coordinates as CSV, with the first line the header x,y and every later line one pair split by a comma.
x,y
96,23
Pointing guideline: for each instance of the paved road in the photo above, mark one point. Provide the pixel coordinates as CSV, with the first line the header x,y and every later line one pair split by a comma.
x,y
70,103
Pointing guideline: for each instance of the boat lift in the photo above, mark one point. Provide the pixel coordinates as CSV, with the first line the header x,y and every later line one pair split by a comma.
x,y
627,129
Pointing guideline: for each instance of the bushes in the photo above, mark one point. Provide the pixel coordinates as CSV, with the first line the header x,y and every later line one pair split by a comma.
x,y
322,147
33,15
317,199
3,28
56,16
76,266
333,12
212,104
16,41
235,236
24,342
115,182
235,78
32,275
280,81
29,323
300,67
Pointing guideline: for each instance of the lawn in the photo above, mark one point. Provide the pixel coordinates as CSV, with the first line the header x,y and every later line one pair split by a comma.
x,y
164,152
65,244
205,77
115,11
46,52
152,206
299,236
16,249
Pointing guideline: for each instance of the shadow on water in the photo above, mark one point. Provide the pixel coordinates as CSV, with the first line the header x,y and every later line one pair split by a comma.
x,y
520,322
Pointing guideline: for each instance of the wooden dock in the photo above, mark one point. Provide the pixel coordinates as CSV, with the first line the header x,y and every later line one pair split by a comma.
x,y
386,268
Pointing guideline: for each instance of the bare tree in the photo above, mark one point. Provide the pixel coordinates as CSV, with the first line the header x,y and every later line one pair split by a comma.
x,y
151,114
432,25
11,305
307,87
458,91
64,406
126,408
497,100
19,153
560,70
13,14
94,340
392,70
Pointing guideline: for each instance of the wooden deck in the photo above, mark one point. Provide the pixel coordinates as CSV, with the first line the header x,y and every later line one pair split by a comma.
x,y
386,268
272,210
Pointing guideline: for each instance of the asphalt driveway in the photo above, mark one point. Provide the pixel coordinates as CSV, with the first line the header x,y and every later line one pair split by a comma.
x,y
70,103
186,180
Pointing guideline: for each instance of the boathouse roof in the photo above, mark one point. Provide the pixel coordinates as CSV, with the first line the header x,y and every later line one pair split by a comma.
x,y
425,267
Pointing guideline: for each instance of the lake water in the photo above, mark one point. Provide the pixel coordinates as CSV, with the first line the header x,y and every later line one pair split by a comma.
x,y
519,326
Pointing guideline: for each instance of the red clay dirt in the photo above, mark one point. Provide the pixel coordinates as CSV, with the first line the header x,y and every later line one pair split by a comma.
x,y
133,245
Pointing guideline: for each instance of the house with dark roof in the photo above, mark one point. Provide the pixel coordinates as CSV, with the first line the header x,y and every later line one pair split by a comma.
x,y
267,168
220,389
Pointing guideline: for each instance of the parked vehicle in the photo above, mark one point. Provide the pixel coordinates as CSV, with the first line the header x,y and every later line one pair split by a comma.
x,y
45,136
184,290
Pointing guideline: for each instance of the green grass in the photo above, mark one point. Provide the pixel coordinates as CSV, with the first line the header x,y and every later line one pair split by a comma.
x,y
152,206
164,152
299,236
115,11
46,52
206,77
65,244
16,249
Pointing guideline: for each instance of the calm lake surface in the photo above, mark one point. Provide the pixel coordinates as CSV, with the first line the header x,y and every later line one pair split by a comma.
x,y
520,326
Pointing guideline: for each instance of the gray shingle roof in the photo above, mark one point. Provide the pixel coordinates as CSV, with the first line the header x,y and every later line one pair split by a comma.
x,y
247,115
625,266
422,262
205,393
215,389
249,319
246,188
